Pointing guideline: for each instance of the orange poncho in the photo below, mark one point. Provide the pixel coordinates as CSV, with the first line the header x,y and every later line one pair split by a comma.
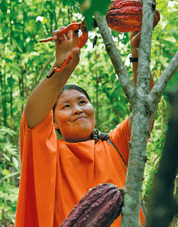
x,y
56,174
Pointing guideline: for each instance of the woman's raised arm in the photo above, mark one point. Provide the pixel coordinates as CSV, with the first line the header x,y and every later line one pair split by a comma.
x,y
44,96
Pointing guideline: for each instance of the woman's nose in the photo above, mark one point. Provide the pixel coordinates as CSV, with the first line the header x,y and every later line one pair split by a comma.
x,y
77,109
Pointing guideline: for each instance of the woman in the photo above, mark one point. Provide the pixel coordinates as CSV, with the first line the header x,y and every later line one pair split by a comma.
x,y
56,174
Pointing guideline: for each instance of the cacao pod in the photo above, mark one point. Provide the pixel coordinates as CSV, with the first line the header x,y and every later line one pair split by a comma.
x,y
125,15
99,207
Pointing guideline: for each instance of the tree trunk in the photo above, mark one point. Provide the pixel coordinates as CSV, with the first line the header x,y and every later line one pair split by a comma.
x,y
143,104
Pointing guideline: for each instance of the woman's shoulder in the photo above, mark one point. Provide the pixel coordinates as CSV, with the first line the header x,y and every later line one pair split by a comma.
x,y
48,120
42,133
123,128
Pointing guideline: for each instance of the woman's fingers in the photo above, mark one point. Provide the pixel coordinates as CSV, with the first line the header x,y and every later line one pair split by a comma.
x,y
75,53
66,44
56,33
74,57
68,35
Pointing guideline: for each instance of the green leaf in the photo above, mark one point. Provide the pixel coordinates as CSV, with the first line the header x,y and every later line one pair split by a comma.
x,y
18,44
4,130
170,39
9,175
6,157
15,161
89,7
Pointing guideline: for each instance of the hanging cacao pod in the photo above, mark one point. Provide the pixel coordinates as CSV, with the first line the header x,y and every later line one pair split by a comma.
x,y
99,207
125,15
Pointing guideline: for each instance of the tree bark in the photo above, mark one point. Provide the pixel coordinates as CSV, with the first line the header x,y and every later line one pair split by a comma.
x,y
140,124
114,55
143,104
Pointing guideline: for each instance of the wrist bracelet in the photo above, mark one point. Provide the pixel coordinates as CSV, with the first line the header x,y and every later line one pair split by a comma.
x,y
48,76
133,59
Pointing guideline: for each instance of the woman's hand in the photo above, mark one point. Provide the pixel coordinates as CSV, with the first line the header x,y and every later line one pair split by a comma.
x,y
65,45
135,36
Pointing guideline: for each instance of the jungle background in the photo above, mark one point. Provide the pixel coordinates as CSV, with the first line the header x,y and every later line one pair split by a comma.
x,y
24,62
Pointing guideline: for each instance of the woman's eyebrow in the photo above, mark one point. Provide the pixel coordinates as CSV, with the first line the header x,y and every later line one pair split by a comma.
x,y
64,102
82,96
68,100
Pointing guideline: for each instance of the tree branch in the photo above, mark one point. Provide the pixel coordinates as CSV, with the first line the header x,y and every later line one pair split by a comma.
x,y
112,51
158,89
143,74
141,102
140,124
140,119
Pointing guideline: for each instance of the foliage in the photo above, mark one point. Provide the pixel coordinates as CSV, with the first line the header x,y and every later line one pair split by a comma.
x,y
155,146
8,155
24,62
89,7
8,202
163,49
9,167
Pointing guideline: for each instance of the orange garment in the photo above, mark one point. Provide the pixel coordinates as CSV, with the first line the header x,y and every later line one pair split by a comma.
x,y
56,174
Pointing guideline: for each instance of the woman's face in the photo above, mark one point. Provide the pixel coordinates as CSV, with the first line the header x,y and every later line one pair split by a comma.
x,y
74,116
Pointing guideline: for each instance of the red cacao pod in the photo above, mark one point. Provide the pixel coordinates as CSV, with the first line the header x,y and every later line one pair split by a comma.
x,y
99,208
125,15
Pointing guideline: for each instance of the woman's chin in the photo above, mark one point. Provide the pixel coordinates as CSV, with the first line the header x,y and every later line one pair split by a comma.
x,y
79,136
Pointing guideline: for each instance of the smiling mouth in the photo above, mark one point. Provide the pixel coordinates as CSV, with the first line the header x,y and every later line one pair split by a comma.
x,y
79,118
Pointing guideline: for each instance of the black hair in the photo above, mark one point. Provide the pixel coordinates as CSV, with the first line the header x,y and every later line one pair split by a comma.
x,y
70,87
